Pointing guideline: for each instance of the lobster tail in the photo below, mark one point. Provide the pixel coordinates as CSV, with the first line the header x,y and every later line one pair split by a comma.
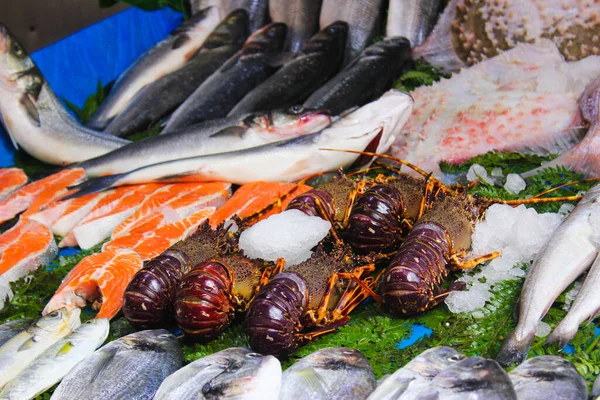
x,y
149,295
313,203
203,306
273,321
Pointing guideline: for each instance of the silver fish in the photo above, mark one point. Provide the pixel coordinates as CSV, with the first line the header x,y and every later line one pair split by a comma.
x,y
258,10
235,373
569,252
548,378
229,134
35,119
363,18
165,57
54,363
11,328
329,373
412,19
417,374
22,349
471,378
301,17
130,368
372,127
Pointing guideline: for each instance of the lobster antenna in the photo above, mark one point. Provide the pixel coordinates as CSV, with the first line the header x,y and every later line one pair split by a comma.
x,y
564,185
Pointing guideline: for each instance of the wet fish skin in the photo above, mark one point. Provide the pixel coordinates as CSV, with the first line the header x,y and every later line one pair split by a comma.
x,y
301,17
232,373
412,19
225,88
228,134
548,377
569,252
145,357
35,119
363,18
12,328
156,100
22,349
595,394
318,61
258,10
329,373
54,363
364,79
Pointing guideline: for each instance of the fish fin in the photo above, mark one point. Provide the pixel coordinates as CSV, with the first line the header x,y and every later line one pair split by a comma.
x,y
230,63
236,132
282,58
313,382
562,334
65,349
514,350
93,185
31,109
28,344
101,361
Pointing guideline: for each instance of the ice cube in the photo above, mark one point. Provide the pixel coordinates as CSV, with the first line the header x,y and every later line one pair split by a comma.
x,y
476,171
514,184
542,329
497,173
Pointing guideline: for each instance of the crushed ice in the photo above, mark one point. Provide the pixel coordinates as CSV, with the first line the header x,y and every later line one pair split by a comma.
x,y
476,171
514,184
542,329
290,235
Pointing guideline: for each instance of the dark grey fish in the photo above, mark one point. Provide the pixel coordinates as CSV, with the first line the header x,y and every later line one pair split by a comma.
x,y
132,368
548,378
318,61
363,18
158,99
413,19
12,328
225,88
258,10
364,79
301,17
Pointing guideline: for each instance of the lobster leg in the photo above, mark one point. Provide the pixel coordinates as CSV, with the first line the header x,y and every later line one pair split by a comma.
x,y
269,273
351,200
459,262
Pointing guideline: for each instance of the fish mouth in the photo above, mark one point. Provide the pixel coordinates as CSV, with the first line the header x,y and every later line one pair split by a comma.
x,y
3,39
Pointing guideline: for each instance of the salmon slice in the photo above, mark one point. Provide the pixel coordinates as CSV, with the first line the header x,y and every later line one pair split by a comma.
x,y
185,199
23,248
10,180
100,277
34,196
157,234
253,197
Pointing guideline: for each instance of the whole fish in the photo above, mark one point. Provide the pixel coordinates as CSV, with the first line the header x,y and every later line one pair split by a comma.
x,y
329,373
371,127
412,19
11,328
318,61
156,100
258,10
54,363
165,57
301,17
364,79
569,252
471,378
548,377
35,119
417,374
132,368
229,134
226,87
363,18
22,349
235,373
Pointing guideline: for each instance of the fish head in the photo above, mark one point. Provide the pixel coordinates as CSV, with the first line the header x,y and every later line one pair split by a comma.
x,y
58,321
232,30
294,121
389,47
332,37
473,374
545,368
17,70
94,328
432,361
268,39
334,358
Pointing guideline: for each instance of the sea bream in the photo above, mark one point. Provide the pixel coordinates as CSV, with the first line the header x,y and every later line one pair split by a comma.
x,y
570,251
165,57
371,127
35,119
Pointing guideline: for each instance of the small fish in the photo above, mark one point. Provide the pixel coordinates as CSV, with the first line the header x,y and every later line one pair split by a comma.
x,y
225,88
329,373
157,99
165,57
132,368
54,363
372,127
548,377
417,374
235,373
11,328
301,17
363,18
412,19
22,349
319,60
364,79
569,252
35,119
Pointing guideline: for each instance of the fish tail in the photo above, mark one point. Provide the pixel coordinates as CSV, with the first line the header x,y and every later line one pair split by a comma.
x,y
93,185
563,334
514,349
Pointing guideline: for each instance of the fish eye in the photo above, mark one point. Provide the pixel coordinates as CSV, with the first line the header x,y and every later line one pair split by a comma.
x,y
17,49
54,314
456,357
479,364
254,355
164,336
297,109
